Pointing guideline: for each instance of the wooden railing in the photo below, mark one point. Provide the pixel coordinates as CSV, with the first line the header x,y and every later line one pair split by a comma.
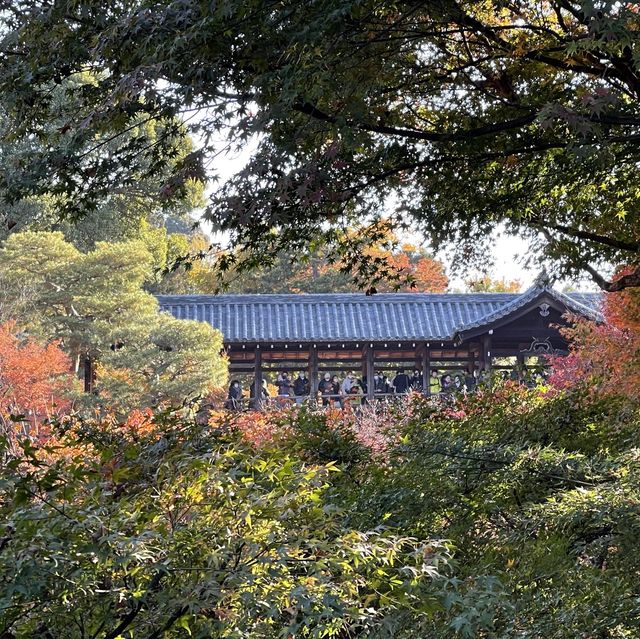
x,y
321,401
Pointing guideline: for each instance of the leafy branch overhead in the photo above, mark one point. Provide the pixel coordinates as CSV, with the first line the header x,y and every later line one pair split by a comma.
x,y
455,117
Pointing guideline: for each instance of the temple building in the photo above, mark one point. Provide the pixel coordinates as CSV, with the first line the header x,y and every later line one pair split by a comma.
x,y
419,331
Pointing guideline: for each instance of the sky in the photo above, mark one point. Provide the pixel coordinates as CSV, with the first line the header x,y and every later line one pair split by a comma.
x,y
508,251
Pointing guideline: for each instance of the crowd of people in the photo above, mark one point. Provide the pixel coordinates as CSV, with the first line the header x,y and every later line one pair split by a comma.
x,y
334,391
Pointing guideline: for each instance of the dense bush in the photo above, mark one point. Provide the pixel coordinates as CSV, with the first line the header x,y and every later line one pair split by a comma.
x,y
511,513
159,528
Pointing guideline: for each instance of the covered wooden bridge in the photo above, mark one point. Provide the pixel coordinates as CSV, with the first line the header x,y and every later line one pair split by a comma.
x,y
267,334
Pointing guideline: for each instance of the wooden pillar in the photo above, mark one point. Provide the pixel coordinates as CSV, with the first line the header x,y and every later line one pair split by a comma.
x,y
471,360
426,370
313,372
369,353
486,351
418,364
257,378
521,368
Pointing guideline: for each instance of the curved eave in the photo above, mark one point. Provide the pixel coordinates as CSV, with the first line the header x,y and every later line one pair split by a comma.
x,y
528,301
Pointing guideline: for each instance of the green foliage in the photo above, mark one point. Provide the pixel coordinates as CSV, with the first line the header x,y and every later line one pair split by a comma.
x,y
33,202
538,495
181,533
321,438
459,116
166,361
158,524
94,303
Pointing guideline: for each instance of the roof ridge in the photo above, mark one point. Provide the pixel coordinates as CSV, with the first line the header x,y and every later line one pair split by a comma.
x,y
319,296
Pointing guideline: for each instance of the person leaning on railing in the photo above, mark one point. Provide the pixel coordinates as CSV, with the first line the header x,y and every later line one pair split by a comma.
x,y
234,398
335,391
301,387
434,383
325,388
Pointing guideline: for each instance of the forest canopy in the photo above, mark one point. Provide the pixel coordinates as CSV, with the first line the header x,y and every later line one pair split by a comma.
x,y
455,118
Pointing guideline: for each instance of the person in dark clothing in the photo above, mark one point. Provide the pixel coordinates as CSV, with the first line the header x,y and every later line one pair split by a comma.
x,y
234,398
416,382
335,390
447,383
285,389
325,388
284,385
401,382
300,387
470,380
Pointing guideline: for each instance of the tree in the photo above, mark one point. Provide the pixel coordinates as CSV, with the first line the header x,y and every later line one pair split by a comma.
x,y
183,264
119,212
460,116
405,267
35,381
167,362
604,359
95,305
487,284
181,532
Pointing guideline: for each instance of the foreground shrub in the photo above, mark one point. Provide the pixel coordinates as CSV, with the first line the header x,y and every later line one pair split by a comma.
x,y
176,530
538,495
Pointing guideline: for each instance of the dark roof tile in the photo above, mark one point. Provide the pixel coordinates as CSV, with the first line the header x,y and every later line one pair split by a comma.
x,y
352,316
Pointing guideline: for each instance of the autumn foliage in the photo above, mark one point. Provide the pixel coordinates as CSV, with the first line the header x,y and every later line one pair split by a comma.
x,y
604,357
35,379
374,428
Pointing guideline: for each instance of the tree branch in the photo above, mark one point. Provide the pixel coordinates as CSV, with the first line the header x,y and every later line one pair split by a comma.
x,y
427,136
128,619
633,247
170,621
630,280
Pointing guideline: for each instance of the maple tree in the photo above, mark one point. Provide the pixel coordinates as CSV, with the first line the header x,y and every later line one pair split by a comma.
x,y
604,358
191,533
35,381
455,116
399,267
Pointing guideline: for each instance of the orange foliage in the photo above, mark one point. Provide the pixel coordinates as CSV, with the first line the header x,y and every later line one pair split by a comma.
x,y
605,357
426,272
34,379
429,276
139,423
257,428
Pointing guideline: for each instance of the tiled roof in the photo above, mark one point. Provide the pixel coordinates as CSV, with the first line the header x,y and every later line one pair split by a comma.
x,y
344,317
586,304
